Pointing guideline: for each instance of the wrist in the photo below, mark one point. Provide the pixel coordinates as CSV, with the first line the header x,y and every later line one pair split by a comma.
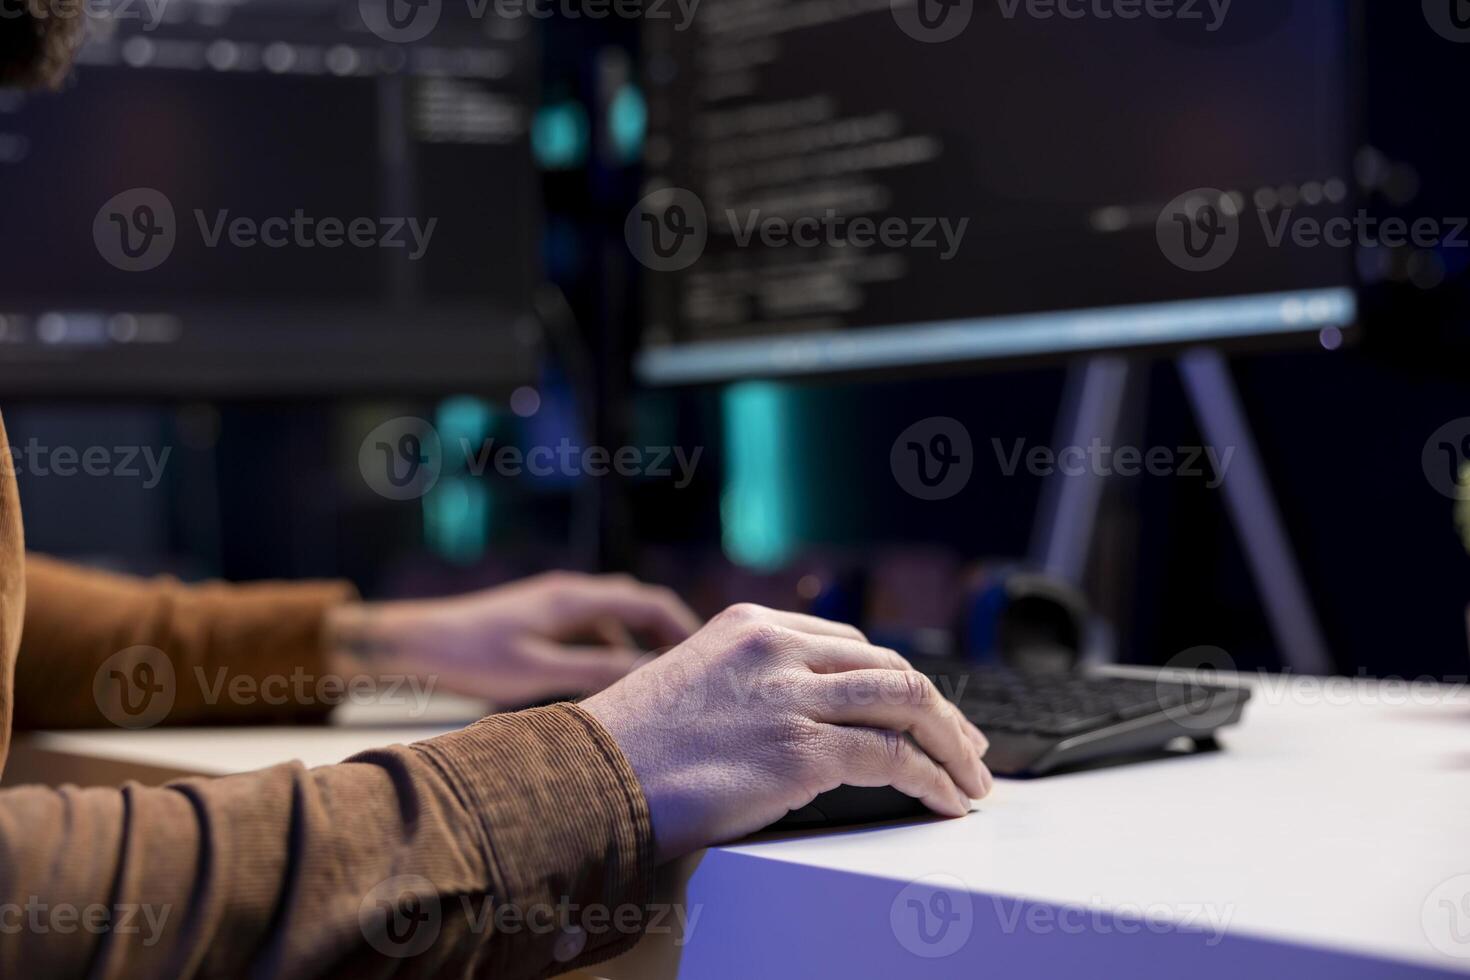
x,y
359,640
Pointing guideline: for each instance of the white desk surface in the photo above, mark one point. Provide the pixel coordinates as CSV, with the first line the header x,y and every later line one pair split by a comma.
x,y
225,751
1328,834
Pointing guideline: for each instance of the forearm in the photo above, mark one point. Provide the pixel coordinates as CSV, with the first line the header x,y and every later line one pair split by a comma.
x,y
282,872
218,640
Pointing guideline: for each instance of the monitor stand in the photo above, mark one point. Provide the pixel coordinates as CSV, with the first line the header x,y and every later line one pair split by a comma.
x,y
1092,408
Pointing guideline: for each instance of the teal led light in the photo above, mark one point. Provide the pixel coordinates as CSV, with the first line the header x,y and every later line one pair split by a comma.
x,y
462,419
627,122
457,511
457,519
559,135
758,506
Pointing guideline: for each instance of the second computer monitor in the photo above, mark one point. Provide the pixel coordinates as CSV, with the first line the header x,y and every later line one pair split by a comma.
x,y
273,197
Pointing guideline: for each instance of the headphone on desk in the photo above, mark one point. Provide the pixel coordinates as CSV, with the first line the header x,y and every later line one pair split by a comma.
x,y
1007,615
1024,619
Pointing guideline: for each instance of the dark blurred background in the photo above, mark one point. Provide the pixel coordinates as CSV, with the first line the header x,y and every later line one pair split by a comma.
x,y
792,502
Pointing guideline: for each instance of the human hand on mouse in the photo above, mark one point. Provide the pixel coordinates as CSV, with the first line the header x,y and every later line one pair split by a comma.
x,y
760,711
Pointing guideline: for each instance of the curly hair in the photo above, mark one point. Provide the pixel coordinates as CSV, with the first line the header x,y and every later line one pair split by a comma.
x,y
37,41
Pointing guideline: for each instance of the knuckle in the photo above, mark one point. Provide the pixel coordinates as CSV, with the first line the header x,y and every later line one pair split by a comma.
x,y
742,612
762,639
517,651
557,579
912,688
801,743
796,731
802,692
889,751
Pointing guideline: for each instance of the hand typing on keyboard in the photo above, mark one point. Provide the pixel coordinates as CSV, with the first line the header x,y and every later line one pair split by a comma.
x,y
760,711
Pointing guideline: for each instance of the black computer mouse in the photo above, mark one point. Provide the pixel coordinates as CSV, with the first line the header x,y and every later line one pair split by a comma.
x,y
848,805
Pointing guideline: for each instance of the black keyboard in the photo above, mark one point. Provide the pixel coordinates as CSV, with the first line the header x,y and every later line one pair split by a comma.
x,y
1041,721
1045,722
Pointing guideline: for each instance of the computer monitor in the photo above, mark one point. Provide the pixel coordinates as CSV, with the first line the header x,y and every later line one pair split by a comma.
x,y
272,197
874,186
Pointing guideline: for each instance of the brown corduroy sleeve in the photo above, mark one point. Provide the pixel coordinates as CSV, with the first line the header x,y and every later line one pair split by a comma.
x,y
12,588
518,847
211,635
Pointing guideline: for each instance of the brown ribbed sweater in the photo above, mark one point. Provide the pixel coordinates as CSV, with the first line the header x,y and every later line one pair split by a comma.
x,y
508,849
